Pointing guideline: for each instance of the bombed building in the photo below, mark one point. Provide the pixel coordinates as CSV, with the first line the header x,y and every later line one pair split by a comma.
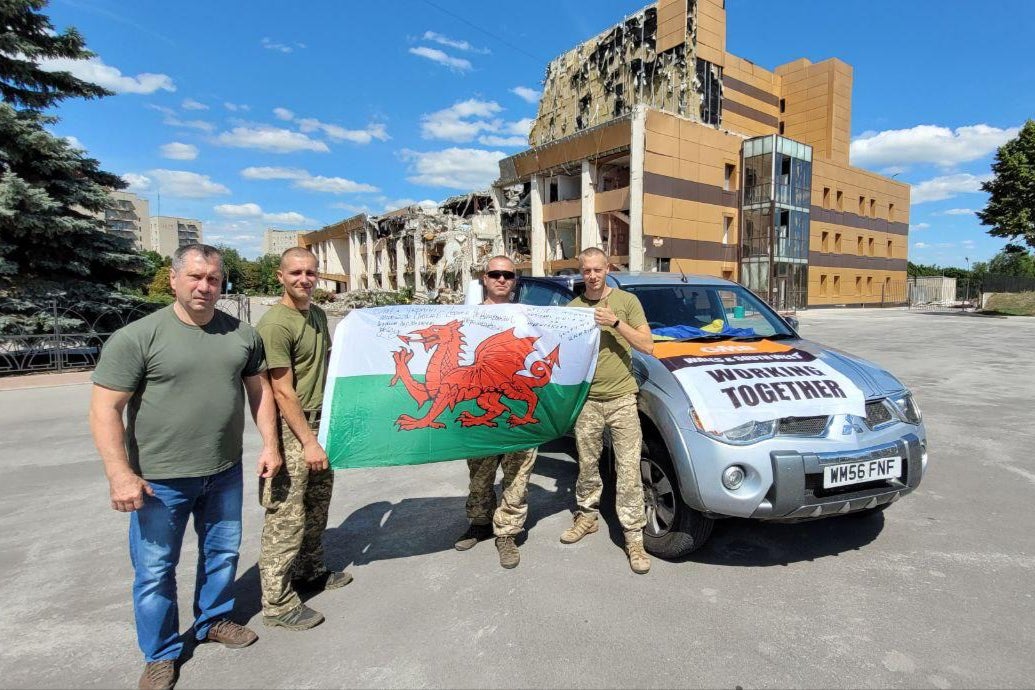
x,y
656,145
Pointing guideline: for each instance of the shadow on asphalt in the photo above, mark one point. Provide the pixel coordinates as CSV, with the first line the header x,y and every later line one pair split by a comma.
x,y
751,543
414,526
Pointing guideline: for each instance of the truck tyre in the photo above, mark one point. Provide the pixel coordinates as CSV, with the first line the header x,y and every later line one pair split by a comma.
x,y
673,529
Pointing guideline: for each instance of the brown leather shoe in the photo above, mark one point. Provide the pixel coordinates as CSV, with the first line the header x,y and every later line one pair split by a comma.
x,y
639,561
158,675
231,635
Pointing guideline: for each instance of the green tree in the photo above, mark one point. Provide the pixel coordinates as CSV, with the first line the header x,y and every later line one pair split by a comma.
x,y
235,269
1013,260
51,246
266,282
1011,204
160,283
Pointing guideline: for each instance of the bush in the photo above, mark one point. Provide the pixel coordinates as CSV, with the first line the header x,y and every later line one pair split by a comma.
x,y
321,296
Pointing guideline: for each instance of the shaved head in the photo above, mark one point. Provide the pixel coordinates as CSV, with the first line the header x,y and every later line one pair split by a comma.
x,y
302,252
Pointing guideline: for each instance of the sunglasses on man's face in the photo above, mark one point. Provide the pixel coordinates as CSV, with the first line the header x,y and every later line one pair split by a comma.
x,y
506,275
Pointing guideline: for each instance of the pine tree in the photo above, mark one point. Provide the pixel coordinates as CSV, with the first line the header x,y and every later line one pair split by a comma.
x,y
50,245
1011,204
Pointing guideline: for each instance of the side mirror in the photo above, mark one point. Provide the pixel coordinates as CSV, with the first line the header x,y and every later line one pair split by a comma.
x,y
793,321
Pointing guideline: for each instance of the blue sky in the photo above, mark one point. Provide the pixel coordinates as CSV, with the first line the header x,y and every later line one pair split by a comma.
x,y
248,115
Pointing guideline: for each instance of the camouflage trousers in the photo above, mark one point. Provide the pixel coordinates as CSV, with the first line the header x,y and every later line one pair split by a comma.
x,y
620,416
508,519
296,502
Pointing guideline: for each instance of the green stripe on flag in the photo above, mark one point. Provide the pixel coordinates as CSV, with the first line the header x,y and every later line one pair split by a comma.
x,y
363,433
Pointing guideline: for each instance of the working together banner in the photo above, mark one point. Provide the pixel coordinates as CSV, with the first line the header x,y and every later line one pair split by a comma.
x,y
730,383
422,383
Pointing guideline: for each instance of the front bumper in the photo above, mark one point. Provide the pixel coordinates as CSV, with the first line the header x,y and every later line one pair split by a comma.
x,y
797,490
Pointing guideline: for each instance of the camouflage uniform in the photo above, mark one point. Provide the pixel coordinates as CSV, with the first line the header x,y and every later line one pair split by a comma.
x,y
296,502
620,416
509,518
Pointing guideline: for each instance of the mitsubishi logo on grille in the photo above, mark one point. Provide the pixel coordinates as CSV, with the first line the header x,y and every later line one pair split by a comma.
x,y
852,423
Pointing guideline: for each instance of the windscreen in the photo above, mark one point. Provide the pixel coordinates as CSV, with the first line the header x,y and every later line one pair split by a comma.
x,y
713,309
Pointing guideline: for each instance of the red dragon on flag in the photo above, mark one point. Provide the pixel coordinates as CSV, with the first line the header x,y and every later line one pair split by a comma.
x,y
492,376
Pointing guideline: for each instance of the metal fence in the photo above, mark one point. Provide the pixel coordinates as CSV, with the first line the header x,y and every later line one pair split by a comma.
x,y
77,335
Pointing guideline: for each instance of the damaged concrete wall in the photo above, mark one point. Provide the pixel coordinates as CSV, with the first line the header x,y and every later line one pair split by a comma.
x,y
605,77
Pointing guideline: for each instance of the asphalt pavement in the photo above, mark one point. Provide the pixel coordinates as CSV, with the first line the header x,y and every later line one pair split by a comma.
x,y
936,592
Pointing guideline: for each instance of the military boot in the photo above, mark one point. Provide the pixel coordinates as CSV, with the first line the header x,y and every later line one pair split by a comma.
x,y
583,525
639,561
299,618
330,579
509,554
473,535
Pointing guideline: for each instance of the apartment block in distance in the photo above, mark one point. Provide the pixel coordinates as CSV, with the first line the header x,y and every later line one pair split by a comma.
x,y
655,144
276,242
128,216
169,233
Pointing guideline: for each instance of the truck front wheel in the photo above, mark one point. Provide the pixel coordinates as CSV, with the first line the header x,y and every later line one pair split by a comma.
x,y
673,529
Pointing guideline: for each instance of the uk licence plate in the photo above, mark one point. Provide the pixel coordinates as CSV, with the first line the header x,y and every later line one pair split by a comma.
x,y
859,472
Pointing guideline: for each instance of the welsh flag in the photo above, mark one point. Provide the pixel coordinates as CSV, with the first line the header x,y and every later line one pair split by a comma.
x,y
416,384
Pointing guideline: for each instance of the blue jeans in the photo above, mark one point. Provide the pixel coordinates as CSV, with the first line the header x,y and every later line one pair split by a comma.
x,y
155,537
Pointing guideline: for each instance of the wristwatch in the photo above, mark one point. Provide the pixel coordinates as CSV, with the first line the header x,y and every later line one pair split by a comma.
x,y
615,324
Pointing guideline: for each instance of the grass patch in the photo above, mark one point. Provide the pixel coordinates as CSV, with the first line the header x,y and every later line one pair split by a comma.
x,y
1011,304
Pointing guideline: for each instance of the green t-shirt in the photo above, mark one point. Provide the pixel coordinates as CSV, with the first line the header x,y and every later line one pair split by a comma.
x,y
613,377
186,416
299,340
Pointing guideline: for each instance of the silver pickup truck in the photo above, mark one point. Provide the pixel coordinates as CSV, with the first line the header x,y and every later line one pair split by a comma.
x,y
701,463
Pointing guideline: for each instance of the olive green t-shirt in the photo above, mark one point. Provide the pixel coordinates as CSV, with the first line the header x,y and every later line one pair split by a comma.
x,y
613,377
299,340
186,415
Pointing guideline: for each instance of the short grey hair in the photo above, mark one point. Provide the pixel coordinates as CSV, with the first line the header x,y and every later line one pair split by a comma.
x,y
206,251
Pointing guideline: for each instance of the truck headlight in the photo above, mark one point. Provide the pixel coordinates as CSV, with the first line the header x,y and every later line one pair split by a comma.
x,y
743,435
907,409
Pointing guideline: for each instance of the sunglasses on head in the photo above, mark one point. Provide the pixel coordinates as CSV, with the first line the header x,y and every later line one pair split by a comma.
x,y
506,275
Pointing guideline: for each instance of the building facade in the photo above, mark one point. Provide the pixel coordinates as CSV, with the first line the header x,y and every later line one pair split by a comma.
x,y
129,216
276,242
655,144
418,248
169,233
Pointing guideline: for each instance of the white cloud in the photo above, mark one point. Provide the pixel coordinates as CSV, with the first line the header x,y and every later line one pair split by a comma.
x,y
521,127
270,44
191,104
251,210
137,183
493,140
453,43
946,187
173,120
456,168
967,244
303,180
175,183
435,55
353,208
456,122
74,143
956,212
179,152
95,71
526,94
334,185
336,133
919,226
271,139
235,107
921,245
274,173
284,114
928,144
239,210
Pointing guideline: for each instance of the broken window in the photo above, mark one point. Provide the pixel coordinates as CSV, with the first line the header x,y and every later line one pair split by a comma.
x,y
709,89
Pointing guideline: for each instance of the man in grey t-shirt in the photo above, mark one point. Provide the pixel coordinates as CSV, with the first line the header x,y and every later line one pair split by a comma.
x,y
181,375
